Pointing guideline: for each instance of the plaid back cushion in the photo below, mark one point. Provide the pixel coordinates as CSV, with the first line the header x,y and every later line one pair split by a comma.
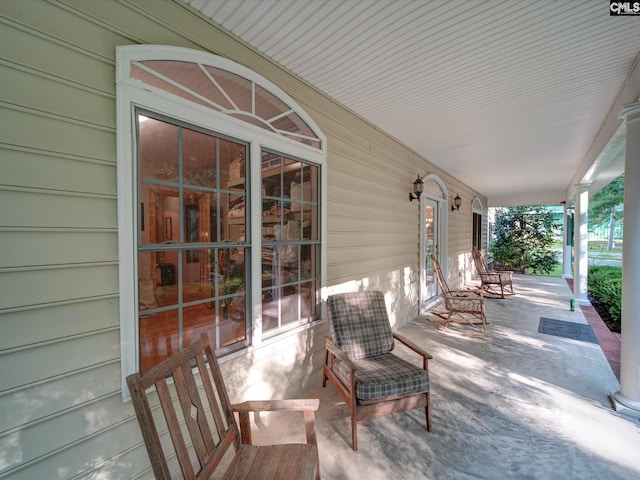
x,y
360,325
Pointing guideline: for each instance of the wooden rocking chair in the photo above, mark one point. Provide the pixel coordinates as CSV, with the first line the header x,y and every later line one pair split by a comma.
x,y
492,282
193,400
463,307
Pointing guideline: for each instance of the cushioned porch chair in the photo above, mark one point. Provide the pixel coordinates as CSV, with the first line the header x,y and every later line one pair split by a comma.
x,y
492,282
358,361
200,421
462,307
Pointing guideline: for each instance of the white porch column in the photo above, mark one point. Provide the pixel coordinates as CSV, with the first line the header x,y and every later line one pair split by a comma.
x,y
581,245
566,247
627,400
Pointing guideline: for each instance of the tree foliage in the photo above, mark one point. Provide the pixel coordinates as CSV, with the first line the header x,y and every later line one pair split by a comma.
x,y
523,239
606,200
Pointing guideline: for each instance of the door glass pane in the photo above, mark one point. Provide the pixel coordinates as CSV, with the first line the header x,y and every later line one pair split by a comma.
x,y
430,245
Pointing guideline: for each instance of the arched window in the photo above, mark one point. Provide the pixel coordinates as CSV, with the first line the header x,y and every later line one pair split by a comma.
x,y
220,203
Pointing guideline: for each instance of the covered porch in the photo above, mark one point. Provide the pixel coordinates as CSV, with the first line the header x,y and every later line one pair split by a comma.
x,y
518,404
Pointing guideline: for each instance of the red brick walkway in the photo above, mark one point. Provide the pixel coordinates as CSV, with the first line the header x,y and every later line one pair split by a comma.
x,y
609,341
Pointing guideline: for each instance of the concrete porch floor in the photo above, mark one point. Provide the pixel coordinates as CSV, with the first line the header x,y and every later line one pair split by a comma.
x,y
517,405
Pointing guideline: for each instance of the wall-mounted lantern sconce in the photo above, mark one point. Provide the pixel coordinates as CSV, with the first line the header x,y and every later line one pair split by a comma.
x,y
457,202
418,187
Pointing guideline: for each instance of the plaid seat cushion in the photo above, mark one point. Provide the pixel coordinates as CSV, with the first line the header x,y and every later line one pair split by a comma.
x,y
383,376
359,324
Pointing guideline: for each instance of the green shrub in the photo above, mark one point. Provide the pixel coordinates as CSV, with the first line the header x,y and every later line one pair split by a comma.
x,y
523,239
605,289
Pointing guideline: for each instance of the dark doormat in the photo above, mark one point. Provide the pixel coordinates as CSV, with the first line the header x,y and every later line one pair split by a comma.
x,y
560,328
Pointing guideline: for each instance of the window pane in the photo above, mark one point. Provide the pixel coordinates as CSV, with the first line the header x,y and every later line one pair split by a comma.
x,y
231,270
159,214
308,262
158,337
235,220
171,69
200,217
158,279
268,105
232,166
237,88
310,185
198,319
196,275
270,311
158,150
267,267
155,277
309,223
199,154
308,299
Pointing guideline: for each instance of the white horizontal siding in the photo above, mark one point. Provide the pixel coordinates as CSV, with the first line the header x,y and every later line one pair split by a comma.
x,y
20,164
23,328
56,209
60,348
32,404
34,364
22,247
38,286
42,131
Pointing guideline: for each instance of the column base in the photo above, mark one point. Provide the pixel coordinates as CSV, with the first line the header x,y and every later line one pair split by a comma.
x,y
625,405
583,301
567,275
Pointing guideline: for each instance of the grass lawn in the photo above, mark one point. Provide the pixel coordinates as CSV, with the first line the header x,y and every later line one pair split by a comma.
x,y
556,272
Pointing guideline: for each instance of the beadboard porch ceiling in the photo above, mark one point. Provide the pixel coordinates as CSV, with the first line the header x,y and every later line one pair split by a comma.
x,y
517,99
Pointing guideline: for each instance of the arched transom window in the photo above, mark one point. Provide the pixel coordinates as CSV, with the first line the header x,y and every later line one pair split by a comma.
x,y
433,189
228,93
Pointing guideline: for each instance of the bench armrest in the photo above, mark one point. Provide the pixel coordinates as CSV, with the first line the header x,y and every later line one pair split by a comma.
x,y
305,405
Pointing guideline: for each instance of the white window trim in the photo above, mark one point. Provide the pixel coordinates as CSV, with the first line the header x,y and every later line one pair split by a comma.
x,y
132,93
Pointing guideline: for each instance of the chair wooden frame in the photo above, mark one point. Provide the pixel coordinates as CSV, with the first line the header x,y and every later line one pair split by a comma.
x,y
462,307
359,409
492,282
202,396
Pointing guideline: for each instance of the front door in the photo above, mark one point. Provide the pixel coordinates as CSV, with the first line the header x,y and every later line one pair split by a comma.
x,y
429,245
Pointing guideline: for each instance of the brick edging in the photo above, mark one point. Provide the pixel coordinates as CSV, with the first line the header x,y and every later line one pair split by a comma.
x,y
608,340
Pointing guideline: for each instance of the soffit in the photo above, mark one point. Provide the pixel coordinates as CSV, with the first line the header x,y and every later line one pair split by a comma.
x,y
507,96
